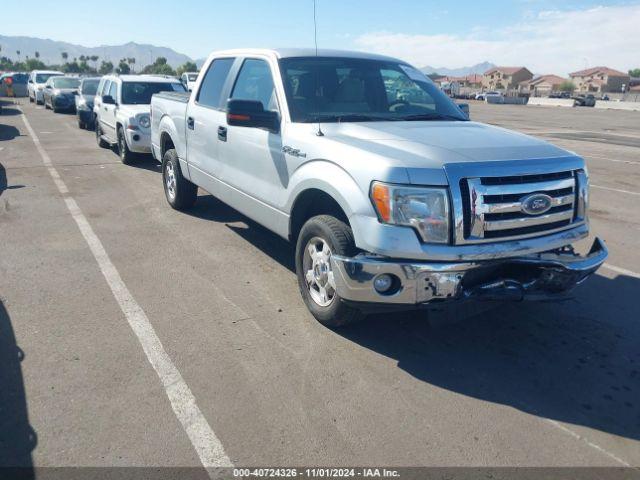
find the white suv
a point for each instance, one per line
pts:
(37, 80)
(122, 108)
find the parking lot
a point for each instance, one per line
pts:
(520, 385)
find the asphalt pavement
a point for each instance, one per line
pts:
(94, 343)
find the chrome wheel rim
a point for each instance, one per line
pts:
(316, 264)
(170, 180)
(123, 146)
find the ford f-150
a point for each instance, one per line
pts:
(392, 196)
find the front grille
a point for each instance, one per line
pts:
(492, 207)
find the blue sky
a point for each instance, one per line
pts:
(439, 33)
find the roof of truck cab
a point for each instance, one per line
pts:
(146, 78)
(304, 52)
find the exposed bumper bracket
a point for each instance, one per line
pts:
(542, 276)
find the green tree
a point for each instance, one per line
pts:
(567, 86)
(159, 67)
(123, 67)
(106, 68)
(635, 72)
(71, 67)
(94, 59)
(186, 67)
(34, 64)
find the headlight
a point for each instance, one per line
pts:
(144, 121)
(423, 208)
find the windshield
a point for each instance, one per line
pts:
(90, 87)
(139, 93)
(20, 78)
(356, 90)
(43, 77)
(66, 82)
(192, 77)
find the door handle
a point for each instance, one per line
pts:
(222, 133)
(191, 123)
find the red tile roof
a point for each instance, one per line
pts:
(550, 79)
(505, 70)
(594, 70)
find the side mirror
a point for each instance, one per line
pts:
(251, 113)
(465, 108)
(48, 87)
(108, 100)
(30, 81)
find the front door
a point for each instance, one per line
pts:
(252, 158)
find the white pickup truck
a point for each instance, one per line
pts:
(391, 195)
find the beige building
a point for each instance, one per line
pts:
(599, 80)
(542, 86)
(505, 78)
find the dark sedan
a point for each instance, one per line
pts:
(60, 92)
(84, 102)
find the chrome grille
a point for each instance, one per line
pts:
(493, 206)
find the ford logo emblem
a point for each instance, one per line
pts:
(536, 204)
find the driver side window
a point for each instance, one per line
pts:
(254, 82)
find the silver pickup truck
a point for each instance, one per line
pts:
(391, 195)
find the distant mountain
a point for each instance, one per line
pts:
(459, 72)
(51, 51)
(200, 62)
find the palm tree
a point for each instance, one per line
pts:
(82, 58)
(131, 61)
(94, 59)
(37, 54)
(18, 52)
(64, 55)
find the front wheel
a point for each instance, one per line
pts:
(180, 192)
(99, 140)
(320, 238)
(126, 155)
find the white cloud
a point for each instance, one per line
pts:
(548, 42)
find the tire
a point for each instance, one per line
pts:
(46, 105)
(82, 125)
(180, 192)
(126, 155)
(320, 232)
(30, 99)
(99, 140)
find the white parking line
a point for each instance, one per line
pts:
(202, 437)
(615, 190)
(615, 160)
(622, 271)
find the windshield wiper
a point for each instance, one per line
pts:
(430, 116)
(355, 117)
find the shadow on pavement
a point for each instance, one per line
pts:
(8, 108)
(8, 132)
(17, 438)
(3, 181)
(575, 361)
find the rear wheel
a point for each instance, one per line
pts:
(126, 155)
(180, 192)
(82, 125)
(320, 238)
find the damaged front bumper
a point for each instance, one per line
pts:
(542, 276)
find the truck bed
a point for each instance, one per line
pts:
(182, 97)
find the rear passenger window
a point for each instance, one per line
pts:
(211, 89)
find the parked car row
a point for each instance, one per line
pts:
(116, 107)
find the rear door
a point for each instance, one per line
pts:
(205, 117)
(109, 113)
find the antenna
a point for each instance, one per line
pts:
(315, 40)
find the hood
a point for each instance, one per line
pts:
(133, 110)
(434, 144)
(65, 91)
